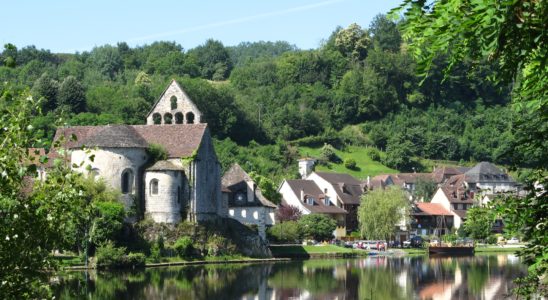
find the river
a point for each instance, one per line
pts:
(414, 277)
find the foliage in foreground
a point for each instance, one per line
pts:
(511, 34)
(33, 221)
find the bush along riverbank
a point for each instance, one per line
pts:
(147, 243)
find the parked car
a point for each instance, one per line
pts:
(416, 241)
(406, 244)
(513, 240)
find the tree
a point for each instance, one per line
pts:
(107, 60)
(288, 232)
(317, 227)
(385, 34)
(34, 219)
(512, 34)
(380, 211)
(72, 95)
(288, 213)
(479, 222)
(353, 42)
(48, 88)
(213, 59)
(425, 189)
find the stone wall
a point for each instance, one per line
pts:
(165, 206)
(184, 106)
(254, 215)
(110, 164)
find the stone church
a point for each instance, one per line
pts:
(185, 186)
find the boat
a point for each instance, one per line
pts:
(450, 250)
(439, 248)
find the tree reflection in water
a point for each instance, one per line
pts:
(479, 277)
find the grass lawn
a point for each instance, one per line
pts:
(494, 249)
(366, 166)
(308, 250)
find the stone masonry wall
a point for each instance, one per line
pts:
(184, 105)
(164, 207)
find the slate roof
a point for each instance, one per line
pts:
(487, 172)
(180, 140)
(413, 177)
(443, 173)
(431, 209)
(455, 190)
(236, 175)
(164, 165)
(348, 188)
(310, 188)
(117, 136)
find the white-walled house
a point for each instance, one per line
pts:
(246, 203)
(342, 190)
(309, 199)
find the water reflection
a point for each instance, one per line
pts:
(479, 277)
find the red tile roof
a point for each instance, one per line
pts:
(180, 140)
(433, 209)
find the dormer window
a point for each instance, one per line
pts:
(326, 201)
(310, 200)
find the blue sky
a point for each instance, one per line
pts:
(69, 26)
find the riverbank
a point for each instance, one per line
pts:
(317, 251)
(178, 262)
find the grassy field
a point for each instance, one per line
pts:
(297, 250)
(366, 166)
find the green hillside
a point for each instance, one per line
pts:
(366, 166)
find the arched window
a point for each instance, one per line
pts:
(168, 118)
(173, 101)
(179, 118)
(190, 118)
(127, 179)
(157, 118)
(154, 187)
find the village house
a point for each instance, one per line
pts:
(309, 199)
(246, 202)
(184, 186)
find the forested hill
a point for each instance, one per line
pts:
(359, 87)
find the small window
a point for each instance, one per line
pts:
(154, 187)
(310, 200)
(326, 201)
(190, 118)
(157, 118)
(127, 178)
(179, 118)
(168, 118)
(173, 101)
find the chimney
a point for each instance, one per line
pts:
(302, 195)
(250, 191)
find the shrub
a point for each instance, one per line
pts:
(285, 232)
(492, 239)
(328, 154)
(108, 256)
(317, 226)
(373, 153)
(156, 152)
(350, 163)
(218, 245)
(136, 260)
(184, 247)
(155, 253)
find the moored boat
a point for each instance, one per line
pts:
(451, 250)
